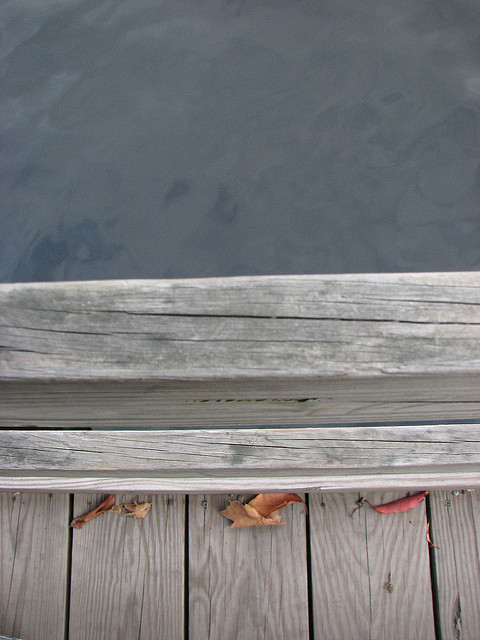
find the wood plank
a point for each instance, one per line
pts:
(233, 351)
(127, 574)
(298, 448)
(370, 572)
(456, 529)
(246, 584)
(33, 565)
(239, 459)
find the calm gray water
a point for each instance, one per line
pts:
(198, 138)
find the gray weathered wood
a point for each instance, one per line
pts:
(242, 459)
(246, 584)
(127, 574)
(33, 565)
(456, 531)
(370, 572)
(255, 483)
(232, 351)
(298, 448)
(339, 400)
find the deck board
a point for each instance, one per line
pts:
(456, 531)
(33, 565)
(246, 584)
(128, 575)
(370, 572)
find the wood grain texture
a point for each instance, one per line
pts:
(370, 572)
(246, 584)
(33, 565)
(456, 530)
(295, 401)
(233, 351)
(127, 574)
(239, 459)
(243, 450)
(263, 482)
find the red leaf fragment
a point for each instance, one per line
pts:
(106, 505)
(429, 539)
(400, 505)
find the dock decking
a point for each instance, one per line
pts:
(182, 573)
(180, 391)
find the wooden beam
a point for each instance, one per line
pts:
(241, 351)
(214, 460)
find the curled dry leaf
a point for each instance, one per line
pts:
(243, 515)
(133, 509)
(267, 503)
(106, 505)
(398, 506)
(429, 538)
(261, 511)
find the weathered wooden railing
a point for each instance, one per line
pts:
(343, 366)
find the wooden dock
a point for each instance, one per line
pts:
(183, 573)
(190, 393)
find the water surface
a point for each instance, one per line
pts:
(162, 139)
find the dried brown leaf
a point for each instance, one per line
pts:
(267, 503)
(106, 505)
(243, 515)
(133, 509)
(261, 511)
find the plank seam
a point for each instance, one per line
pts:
(311, 627)
(68, 585)
(433, 572)
(186, 569)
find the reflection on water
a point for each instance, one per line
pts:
(55, 253)
(180, 139)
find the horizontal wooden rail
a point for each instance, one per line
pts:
(293, 350)
(305, 350)
(225, 460)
